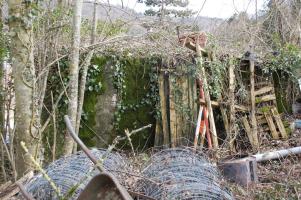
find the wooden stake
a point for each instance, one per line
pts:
(253, 105)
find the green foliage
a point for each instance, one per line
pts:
(165, 8)
(217, 70)
(3, 44)
(137, 88)
(104, 29)
(286, 59)
(95, 86)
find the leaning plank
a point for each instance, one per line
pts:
(271, 125)
(163, 103)
(248, 131)
(263, 90)
(279, 123)
(253, 105)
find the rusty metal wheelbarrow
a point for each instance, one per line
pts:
(105, 187)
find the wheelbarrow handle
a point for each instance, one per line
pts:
(81, 144)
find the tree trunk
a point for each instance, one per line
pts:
(21, 49)
(83, 78)
(73, 74)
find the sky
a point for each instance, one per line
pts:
(212, 8)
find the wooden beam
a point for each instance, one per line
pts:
(163, 102)
(263, 90)
(271, 125)
(231, 130)
(279, 123)
(248, 131)
(269, 97)
(217, 104)
(172, 113)
(253, 105)
(261, 121)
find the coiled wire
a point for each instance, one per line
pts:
(72, 173)
(180, 173)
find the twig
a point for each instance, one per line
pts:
(25, 194)
(38, 166)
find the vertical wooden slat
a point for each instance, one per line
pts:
(164, 109)
(231, 130)
(253, 104)
(172, 112)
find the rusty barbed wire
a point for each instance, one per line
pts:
(72, 173)
(182, 174)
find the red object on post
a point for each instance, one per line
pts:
(205, 114)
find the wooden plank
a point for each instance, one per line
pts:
(181, 104)
(248, 131)
(263, 90)
(253, 105)
(261, 121)
(269, 97)
(231, 130)
(158, 134)
(271, 125)
(172, 112)
(163, 102)
(217, 104)
(198, 126)
(279, 123)
(12, 190)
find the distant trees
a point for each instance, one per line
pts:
(163, 8)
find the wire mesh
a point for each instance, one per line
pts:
(72, 173)
(180, 173)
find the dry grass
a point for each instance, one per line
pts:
(278, 179)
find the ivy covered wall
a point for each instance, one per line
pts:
(125, 97)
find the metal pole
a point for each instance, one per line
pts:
(277, 154)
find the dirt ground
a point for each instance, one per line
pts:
(278, 179)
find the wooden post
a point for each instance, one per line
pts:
(172, 113)
(207, 97)
(253, 104)
(163, 103)
(231, 130)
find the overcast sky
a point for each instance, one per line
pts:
(212, 8)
